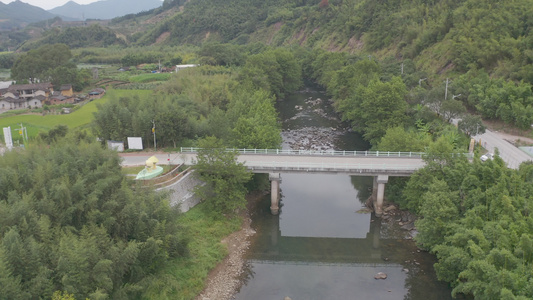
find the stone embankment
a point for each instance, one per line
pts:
(182, 191)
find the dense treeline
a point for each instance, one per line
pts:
(50, 63)
(236, 106)
(439, 35)
(476, 217)
(77, 37)
(495, 98)
(70, 221)
(381, 102)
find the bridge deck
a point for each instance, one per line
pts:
(364, 163)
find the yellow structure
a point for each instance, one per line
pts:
(151, 169)
(151, 164)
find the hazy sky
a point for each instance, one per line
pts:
(49, 4)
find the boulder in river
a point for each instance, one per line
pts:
(380, 275)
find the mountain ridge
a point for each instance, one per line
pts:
(19, 14)
(106, 9)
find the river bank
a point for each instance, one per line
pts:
(224, 280)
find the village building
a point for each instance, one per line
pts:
(66, 90)
(30, 90)
(28, 96)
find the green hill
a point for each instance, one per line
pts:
(441, 36)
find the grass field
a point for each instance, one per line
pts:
(78, 119)
(150, 77)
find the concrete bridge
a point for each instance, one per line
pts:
(378, 164)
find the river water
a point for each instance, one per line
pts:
(323, 245)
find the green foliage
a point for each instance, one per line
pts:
(254, 121)
(476, 218)
(80, 118)
(401, 140)
(71, 222)
(150, 77)
(77, 37)
(50, 63)
(35, 63)
(221, 54)
(224, 190)
(276, 70)
(498, 99)
(54, 134)
(7, 59)
(185, 277)
(132, 116)
(471, 125)
(376, 107)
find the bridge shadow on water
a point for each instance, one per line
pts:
(304, 263)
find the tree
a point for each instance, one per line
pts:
(451, 109)
(276, 71)
(36, 63)
(71, 221)
(254, 120)
(376, 107)
(224, 190)
(471, 125)
(399, 139)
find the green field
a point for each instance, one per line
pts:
(149, 77)
(78, 119)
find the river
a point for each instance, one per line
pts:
(323, 244)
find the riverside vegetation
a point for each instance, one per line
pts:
(71, 223)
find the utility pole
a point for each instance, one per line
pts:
(153, 131)
(24, 133)
(420, 81)
(402, 68)
(446, 92)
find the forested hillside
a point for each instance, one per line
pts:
(77, 37)
(441, 36)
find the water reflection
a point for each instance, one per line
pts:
(312, 202)
(319, 246)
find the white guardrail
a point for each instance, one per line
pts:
(329, 167)
(322, 152)
(314, 152)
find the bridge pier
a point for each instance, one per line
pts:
(378, 193)
(275, 179)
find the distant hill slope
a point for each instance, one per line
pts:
(107, 9)
(18, 14)
(440, 35)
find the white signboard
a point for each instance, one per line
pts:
(7, 137)
(115, 145)
(135, 143)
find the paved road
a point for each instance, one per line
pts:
(508, 152)
(296, 163)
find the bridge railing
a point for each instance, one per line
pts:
(303, 166)
(315, 152)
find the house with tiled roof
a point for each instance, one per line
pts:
(21, 96)
(66, 90)
(30, 90)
